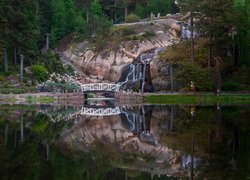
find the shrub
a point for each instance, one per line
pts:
(148, 34)
(17, 90)
(1, 78)
(132, 18)
(230, 86)
(187, 72)
(39, 72)
(52, 62)
(128, 32)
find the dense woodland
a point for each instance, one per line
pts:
(24, 25)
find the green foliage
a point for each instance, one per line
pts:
(40, 124)
(59, 23)
(199, 99)
(14, 90)
(132, 18)
(158, 6)
(62, 87)
(148, 34)
(144, 8)
(187, 72)
(52, 62)
(230, 86)
(128, 32)
(1, 78)
(39, 72)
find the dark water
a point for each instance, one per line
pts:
(108, 142)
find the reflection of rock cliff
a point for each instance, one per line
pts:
(107, 65)
(111, 132)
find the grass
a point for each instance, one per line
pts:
(16, 90)
(198, 99)
(40, 99)
(16, 107)
(9, 99)
(181, 51)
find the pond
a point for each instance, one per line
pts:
(106, 141)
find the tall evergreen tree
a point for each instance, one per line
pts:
(58, 27)
(71, 14)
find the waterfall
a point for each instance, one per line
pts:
(136, 71)
(143, 77)
(130, 76)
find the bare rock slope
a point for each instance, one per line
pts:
(107, 65)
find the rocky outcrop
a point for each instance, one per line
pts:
(160, 75)
(107, 65)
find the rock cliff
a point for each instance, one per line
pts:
(107, 65)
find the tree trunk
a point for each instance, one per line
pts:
(192, 36)
(15, 139)
(210, 34)
(218, 123)
(209, 50)
(21, 129)
(126, 11)
(210, 142)
(171, 78)
(115, 12)
(217, 77)
(37, 8)
(171, 118)
(6, 132)
(21, 68)
(87, 15)
(192, 157)
(47, 151)
(15, 56)
(5, 60)
(47, 42)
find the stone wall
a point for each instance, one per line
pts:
(129, 98)
(44, 98)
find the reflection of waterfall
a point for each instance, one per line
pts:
(136, 122)
(187, 162)
(132, 133)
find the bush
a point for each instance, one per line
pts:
(230, 86)
(39, 72)
(1, 78)
(148, 34)
(187, 72)
(56, 87)
(132, 18)
(17, 90)
(52, 62)
(128, 32)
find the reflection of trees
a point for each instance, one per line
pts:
(218, 135)
(30, 133)
(26, 157)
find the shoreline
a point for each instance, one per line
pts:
(198, 98)
(152, 98)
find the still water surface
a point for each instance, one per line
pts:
(103, 141)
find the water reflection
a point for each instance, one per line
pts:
(138, 142)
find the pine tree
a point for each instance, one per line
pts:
(70, 15)
(58, 27)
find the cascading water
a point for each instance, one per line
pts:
(136, 72)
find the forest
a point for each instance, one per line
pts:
(25, 25)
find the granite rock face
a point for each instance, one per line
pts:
(107, 65)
